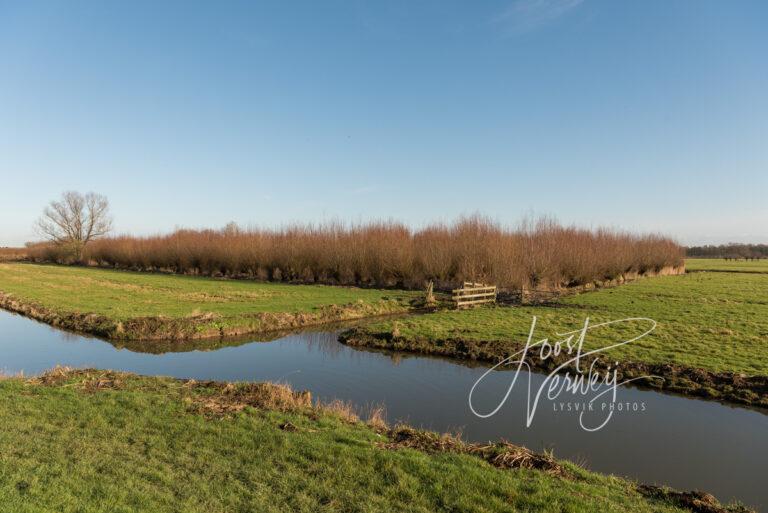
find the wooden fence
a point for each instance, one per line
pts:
(471, 294)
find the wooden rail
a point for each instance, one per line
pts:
(471, 294)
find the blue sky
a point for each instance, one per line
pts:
(647, 115)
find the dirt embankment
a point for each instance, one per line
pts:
(721, 386)
(542, 292)
(197, 326)
(634, 275)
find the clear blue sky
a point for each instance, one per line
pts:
(647, 115)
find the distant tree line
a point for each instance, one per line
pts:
(536, 254)
(730, 251)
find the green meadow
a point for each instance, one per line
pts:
(97, 441)
(122, 296)
(714, 321)
(721, 264)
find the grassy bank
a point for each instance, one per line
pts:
(129, 305)
(716, 322)
(90, 441)
(721, 264)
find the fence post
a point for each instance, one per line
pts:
(430, 294)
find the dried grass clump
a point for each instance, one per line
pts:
(377, 418)
(502, 454)
(53, 377)
(403, 436)
(341, 409)
(223, 399)
(506, 455)
(695, 501)
(88, 380)
(534, 254)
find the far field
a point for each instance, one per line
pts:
(713, 321)
(236, 306)
(721, 264)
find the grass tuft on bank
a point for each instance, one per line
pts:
(90, 441)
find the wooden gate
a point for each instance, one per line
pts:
(471, 294)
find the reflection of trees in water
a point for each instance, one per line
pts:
(328, 344)
(322, 338)
(67, 336)
(211, 344)
(398, 357)
(324, 342)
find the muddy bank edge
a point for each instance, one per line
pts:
(195, 326)
(679, 379)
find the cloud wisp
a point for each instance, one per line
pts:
(527, 15)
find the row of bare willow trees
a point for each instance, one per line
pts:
(390, 254)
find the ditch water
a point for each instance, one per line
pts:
(684, 443)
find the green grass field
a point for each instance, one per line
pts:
(715, 321)
(122, 295)
(720, 264)
(73, 446)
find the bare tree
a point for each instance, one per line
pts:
(75, 220)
